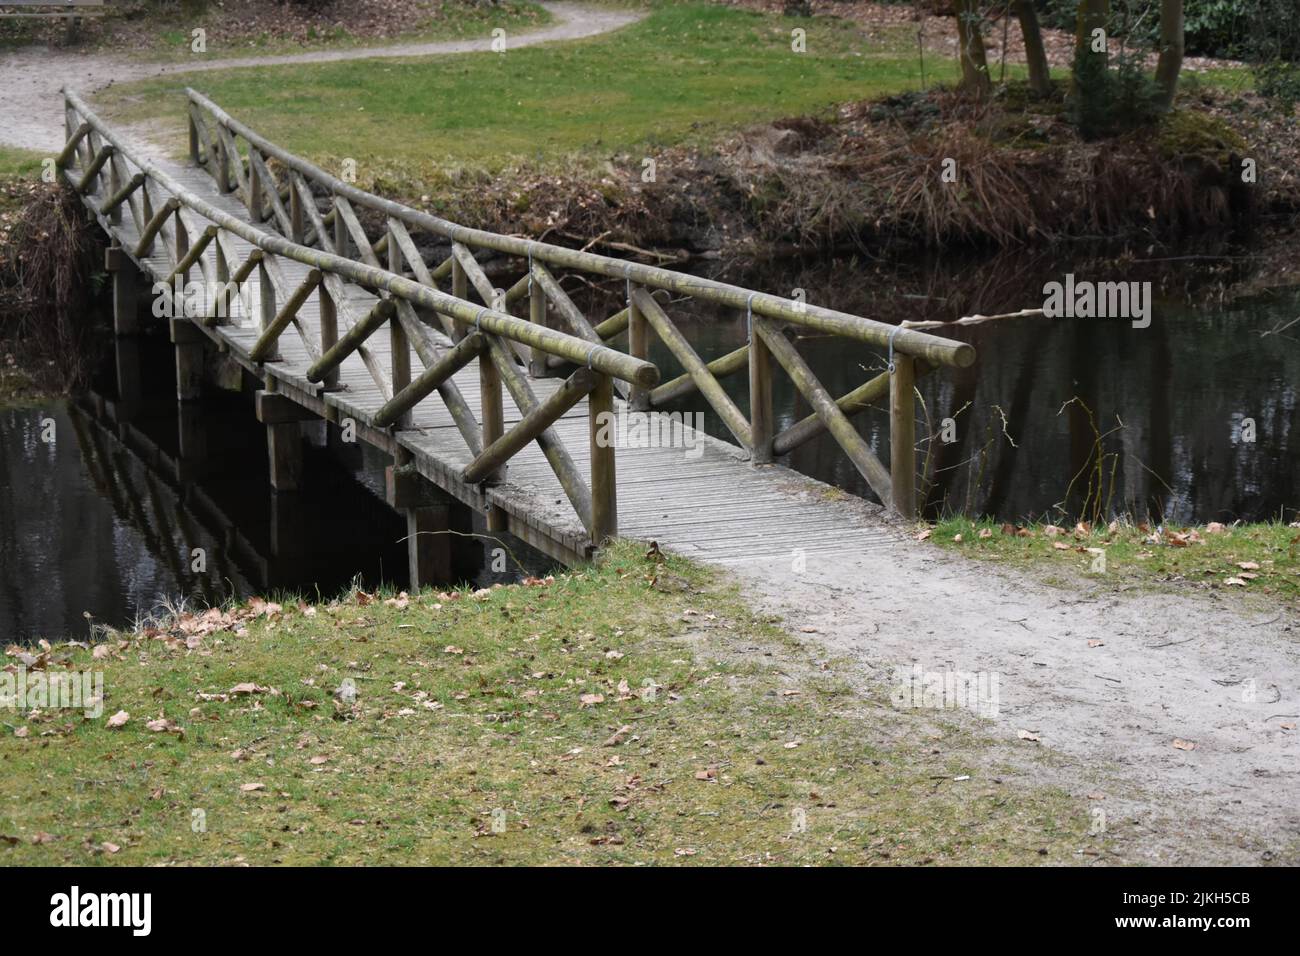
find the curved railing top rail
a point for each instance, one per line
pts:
(598, 357)
(933, 348)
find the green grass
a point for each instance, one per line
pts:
(684, 73)
(1137, 555)
(15, 163)
(474, 704)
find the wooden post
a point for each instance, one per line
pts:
(284, 450)
(537, 367)
(460, 289)
(182, 247)
(902, 435)
(267, 307)
(638, 346)
(604, 491)
(188, 342)
(494, 427)
(194, 139)
(329, 332)
(115, 185)
(428, 521)
(297, 229)
(223, 165)
(400, 345)
(761, 420)
(126, 290)
(254, 189)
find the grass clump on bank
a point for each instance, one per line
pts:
(633, 712)
(1261, 559)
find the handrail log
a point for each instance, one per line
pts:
(598, 357)
(434, 375)
(867, 464)
(933, 348)
(672, 337)
(352, 339)
(265, 345)
(720, 367)
(851, 403)
(575, 387)
(123, 194)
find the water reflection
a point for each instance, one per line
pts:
(1168, 401)
(122, 498)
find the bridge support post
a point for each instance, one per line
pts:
(126, 290)
(428, 513)
(902, 435)
(188, 342)
(283, 419)
(284, 452)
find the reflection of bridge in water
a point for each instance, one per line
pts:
(334, 321)
(179, 474)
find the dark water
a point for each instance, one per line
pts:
(101, 513)
(1168, 401)
(104, 517)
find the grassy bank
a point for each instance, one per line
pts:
(1261, 559)
(630, 713)
(680, 75)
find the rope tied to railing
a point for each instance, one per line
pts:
(478, 319)
(749, 315)
(898, 328)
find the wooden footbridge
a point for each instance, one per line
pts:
(512, 415)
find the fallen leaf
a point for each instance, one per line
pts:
(1026, 735)
(119, 719)
(250, 787)
(1184, 744)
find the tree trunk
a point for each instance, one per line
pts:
(1040, 80)
(1090, 78)
(1171, 50)
(974, 65)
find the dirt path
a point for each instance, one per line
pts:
(1106, 679)
(31, 116)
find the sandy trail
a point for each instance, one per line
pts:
(31, 114)
(1193, 668)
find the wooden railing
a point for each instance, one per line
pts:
(291, 206)
(193, 234)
